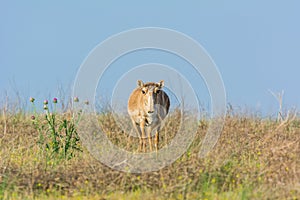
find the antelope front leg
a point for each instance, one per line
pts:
(138, 131)
(149, 130)
(142, 126)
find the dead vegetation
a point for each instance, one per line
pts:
(254, 158)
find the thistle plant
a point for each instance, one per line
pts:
(58, 137)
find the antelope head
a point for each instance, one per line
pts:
(149, 92)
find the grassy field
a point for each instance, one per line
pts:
(255, 158)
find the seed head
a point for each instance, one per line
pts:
(31, 99)
(76, 99)
(45, 107)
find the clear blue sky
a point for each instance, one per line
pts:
(255, 44)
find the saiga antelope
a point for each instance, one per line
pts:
(148, 105)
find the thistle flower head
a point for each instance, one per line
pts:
(31, 99)
(54, 100)
(45, 102)
(32, 117)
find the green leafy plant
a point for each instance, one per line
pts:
(58, 137)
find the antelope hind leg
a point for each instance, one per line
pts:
(156, 140)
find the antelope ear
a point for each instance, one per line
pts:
(161, 83)
(140, 83)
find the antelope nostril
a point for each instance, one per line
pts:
(151, 111)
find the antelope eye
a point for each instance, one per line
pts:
(143, 91)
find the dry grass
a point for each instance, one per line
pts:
(254, 159)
